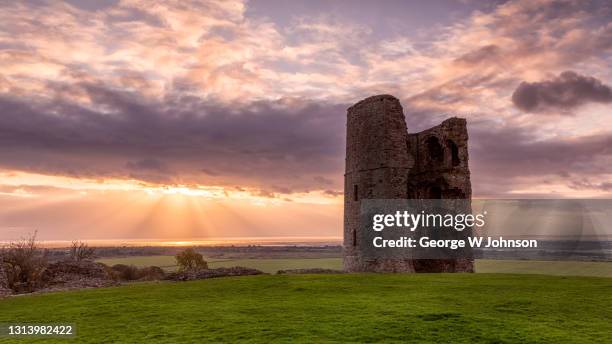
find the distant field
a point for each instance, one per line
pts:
(423, 308)
(561, 268)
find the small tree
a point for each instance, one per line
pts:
(24, 265)
(80, 251)
(189, 259)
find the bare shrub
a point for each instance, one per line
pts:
(80, 251)
(151, 273)
(126, 272)
(24, 265)
(132, 273)
(4, 289)
(189, 259)
(111, 273)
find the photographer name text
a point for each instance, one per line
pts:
(453, 244)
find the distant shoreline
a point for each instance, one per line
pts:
(237, 241)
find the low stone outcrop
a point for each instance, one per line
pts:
(76, 275)
(309, 271)
(191, 275)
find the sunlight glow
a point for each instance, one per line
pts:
(22, 184)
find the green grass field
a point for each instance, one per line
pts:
(427, 308)
(559, 268)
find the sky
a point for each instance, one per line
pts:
(200, 119)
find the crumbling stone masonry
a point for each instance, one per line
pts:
(384, 161)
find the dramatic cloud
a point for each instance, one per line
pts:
(291, 144)
(248, 98)
(567, 91)
(531, 166)
(507, 152)
(240, 94)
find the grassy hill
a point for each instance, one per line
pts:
(459, 308)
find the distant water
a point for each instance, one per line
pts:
(262, 241)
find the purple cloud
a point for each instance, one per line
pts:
(567, 91)
(265, 144)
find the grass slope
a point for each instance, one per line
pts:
(440, 308)
(561, 268)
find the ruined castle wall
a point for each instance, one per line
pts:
(441, 162)
(441, 172)
(383, 161)
(377, 166)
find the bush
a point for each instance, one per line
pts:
(24, 265)
(151, 273)
(80, 251)
(132, 273)
(189, 259)
(3, 282)
(125, 272)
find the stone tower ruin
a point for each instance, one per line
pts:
(384, 161)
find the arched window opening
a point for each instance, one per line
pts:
(454, 152)
(436, 153)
